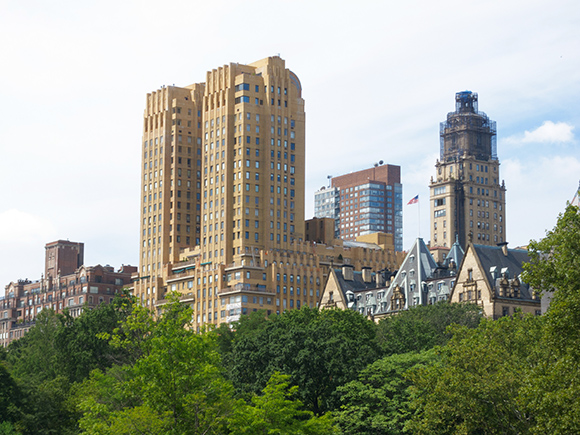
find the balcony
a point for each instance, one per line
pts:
(243, 287)
(190, 264)
(180, 274)
(250, 263)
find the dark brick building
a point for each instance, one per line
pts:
(65, 284)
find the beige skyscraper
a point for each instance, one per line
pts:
(222, 215)
(223, 170)
(171, 182)
(467, 198)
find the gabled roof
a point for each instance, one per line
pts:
(356, 294)
(455, 253)
(357, 284)
(417, 266)
(493, 257)
(418, 259)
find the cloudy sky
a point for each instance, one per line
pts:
(378, 77)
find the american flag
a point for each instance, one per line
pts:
(414, 200)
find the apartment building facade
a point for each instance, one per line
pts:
(223, 195)
(365, 202)
(65, 284)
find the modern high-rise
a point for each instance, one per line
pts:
(327, 205)
(364, 202)
(222, 212)
(467, 198)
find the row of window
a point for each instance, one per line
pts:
(246, 87)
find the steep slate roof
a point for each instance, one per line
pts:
(418, 268)
(455, 254)
(357, 284)
(493, 256)
(368, 298)
(421, 264)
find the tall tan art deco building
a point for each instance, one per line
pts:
(467, 198)
(222, 214)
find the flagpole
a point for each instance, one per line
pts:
(419, 216)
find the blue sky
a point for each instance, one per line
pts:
(378, 78)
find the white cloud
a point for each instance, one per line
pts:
(548, 132)
(537, 191)
(19, 226)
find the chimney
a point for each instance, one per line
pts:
(367, 274)
(347, 273)
(379, 279)
(504, 248)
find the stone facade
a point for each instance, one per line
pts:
(467, 196)
(490, 276)
(419, 280)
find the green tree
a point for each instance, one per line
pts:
(478, 386)
(555, 266)
(319, 349)
(277, 412)
(424, 326)
(80, 346)
(553, 392)
(110, 405)
(378, 402)
(33, 358)
(7, 428)
(176, 386)
(33, 362)
(9, 397)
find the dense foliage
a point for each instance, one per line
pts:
(424, 327)
(438, 369)
(319, 350)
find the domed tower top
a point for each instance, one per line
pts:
(466, 101)
(467, 131)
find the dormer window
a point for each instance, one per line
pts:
(505, 272)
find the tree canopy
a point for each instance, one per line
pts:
(379, 401)
(438, 369)
(319, 349)
(555, 268)
(424, 326)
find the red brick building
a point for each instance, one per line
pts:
(370, 201)
(66, 283)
